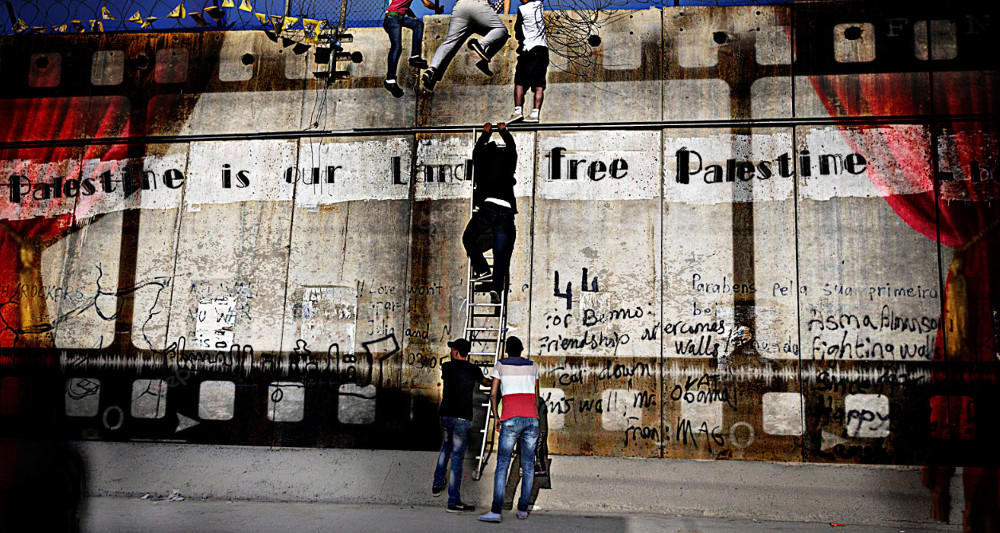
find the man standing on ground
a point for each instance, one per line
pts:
(467, 15)
(459, 378)
(516, 379)
(398, 16)
(542, 479)
(493, 196)
(532, 58)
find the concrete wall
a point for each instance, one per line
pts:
(722, 294)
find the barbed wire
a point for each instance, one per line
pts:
(573, 31)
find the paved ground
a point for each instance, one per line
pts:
(112, 514)
(853, 494)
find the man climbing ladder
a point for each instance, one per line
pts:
(494, 165)
(491, 220)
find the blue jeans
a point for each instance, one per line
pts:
(456, 438)
(524, 429)
(501, 221)
(393, 24)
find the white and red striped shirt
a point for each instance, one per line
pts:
(517, 376)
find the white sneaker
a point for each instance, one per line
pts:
(514, 117)
(523, 515)
(490, 517)
(531, 118)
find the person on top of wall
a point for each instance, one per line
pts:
(493, 197)
(515, 378)
(532, 58)
(397, 16)
(459, 378)
(481, 14)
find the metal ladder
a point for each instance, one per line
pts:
(486, 331)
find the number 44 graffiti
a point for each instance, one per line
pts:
(568, 294)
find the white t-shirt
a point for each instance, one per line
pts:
(533, 24)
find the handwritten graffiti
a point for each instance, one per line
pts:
(568, 293)
(105, 304)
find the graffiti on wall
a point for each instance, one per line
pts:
(779, 249)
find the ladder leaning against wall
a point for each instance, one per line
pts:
(486, 331)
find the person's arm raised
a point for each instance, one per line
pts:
(487, 132)
(508, 139)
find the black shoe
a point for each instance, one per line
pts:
(429, 80)
(484, 67)
(436, 491)
(483, 286)
(481, 276)
(478, 48)
(418, 62)
(393, 88)
(461, 507)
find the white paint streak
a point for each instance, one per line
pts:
(329, 315)
(215, 323)
(620, 410)
(783, 413)
(599, 166)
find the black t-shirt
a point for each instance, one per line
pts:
(460, 379)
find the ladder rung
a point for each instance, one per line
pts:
(482, 329)
(482, 353)
(485, 305)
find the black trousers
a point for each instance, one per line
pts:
(500, 221)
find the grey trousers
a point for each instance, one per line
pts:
(467, 16)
